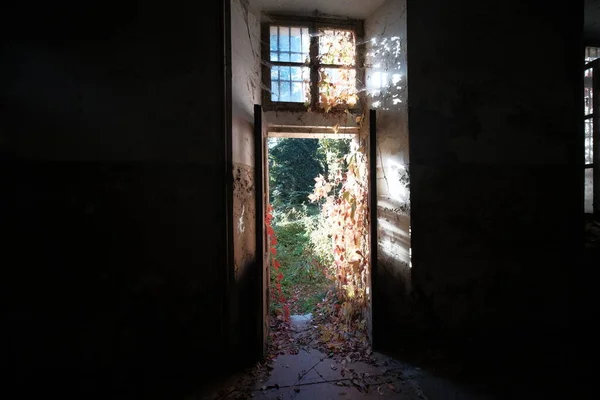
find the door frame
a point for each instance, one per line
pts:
(261, 179)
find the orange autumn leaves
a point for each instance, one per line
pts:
(347, 214)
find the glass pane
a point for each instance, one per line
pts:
(289, 84)
(297, 57)
(284, 73)
(274, 57)
(587, 92)
(305, 41)
(591, 53)
(275, 91)
(285, 91)
(589, 190)
(297, 92)
(337, 47)
(337, 86)
(284, 38)
(274, 36)
(296, 40)
(284, 56)
(297, 74)
(589, 141)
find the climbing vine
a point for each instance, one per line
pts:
(276, 297)
(346, 213)
(336, 86)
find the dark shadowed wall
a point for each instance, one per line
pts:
(496, 155)
(112, 140)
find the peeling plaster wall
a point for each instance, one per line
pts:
(112, 145)
(496, 169)
(386, 92)
(245, 51)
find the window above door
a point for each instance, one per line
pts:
(311, 64)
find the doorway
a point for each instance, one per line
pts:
(316, 239)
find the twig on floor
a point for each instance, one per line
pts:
(309, 383)
(311, 368)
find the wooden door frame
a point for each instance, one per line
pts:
(261, 198)
(262, 262)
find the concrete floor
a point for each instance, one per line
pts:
(311, 374)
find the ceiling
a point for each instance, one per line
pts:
(344, 8)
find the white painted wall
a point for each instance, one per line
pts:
(246, 79)
(386, 80)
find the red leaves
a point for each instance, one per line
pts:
(286, 312)
(272, 240)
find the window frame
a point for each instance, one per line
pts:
(313, 24)
(595, 117)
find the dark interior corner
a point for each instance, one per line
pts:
(120, 278)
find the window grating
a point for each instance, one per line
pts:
(289, 84)
(314, 64)
(289, 44)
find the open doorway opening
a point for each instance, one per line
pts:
(318, 242)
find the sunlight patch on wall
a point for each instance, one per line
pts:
(386, 81)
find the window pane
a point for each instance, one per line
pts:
(296, 40)
(589, 141)
(297, 57)
(299, 74)
(589, 190)
(305, 41)
(284, 91)
(275, 91)
(298, 92)
(284, 73)
(274, 57)
(289, 84)
(337, 47)
(274, 35)
(337, 86)
(587, 92)
(284, 38)
(284, 56)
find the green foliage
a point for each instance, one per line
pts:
(304, 242)
(293, 165)
(294, 249)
